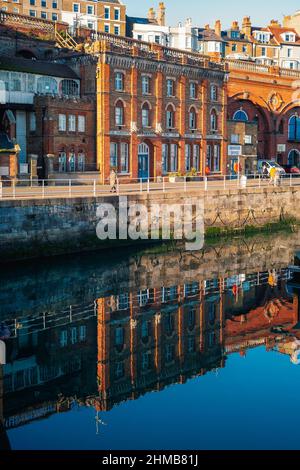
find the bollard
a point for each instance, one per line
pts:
(291, 179)
(164, 186)
(70, 188)
(1, 190)
(185, 184)
(148, 185)
(43, 189)
(14, 189)
(95, 188)
(224, 181)
(118, 186)
(141, 185)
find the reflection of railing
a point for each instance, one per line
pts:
(76, 313)
(47, 321)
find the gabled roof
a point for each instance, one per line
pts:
(38, 67)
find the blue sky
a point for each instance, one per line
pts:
(201, 12)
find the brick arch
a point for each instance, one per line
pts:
(26, 53)
(255, 112)
(285, 114)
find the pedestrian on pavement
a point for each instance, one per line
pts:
(272, 175)
(265, 172)
(113, 180)
(277, 178)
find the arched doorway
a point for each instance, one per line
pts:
(294, 158)
(143, 161)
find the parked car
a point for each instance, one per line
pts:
(291, 169)
(269, 164)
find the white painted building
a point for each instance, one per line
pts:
(183, 36)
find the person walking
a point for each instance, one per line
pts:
(265, 172)
(277, 178)
(272, 175)
(113, 180)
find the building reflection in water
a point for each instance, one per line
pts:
(123, 346)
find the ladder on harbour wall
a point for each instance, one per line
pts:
(65, 40)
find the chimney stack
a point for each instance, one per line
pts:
(207, 27)
(235, 26)
(247, 26)
(218, 27)
(161, 14)
(151, 15)
(275, 24)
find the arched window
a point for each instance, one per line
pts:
(47, 86)
(145, 115)
(213, 121)
(69, 88)
(188, 155)
(81, 161)
(119, 114)
(294, 128)
(193, 119)
(240, 115)
(294, 158)
(62, 161)
(72, 162)
(170, 117)
(214, 93)
(119, 81)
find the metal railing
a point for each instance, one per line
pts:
(70, 188)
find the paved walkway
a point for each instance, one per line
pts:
(72, 189)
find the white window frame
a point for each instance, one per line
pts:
(106, 8)
(119, 14)
(81, 123)
(72, 123)
(78, 5)
(62, 122)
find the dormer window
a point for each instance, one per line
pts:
(262, 37)
(235, 34)
(289, 37)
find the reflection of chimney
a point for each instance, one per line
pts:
(235, 25)
(218, 27)
(151, 15)
(161, 14)
(206, 26)
(247, 26)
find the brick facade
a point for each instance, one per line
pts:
(60, 134)
(195, 86)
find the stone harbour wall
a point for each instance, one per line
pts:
(36, 228)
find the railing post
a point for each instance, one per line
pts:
(164, 185)
(70, 188)
(118, 186)
(291, 179)
(185, 184)
(14, 189)
(259, 181)
(94, 188)
(43, 189)
(224, 181)
(141, 185)
(148, 185)
(205, 183)
(1, 190)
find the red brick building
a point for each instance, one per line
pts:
(159, 110)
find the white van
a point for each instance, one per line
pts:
(269, 164)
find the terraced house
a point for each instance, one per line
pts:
(98, 15)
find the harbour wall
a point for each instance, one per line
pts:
(38, 228)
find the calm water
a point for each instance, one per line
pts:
(153, 350)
